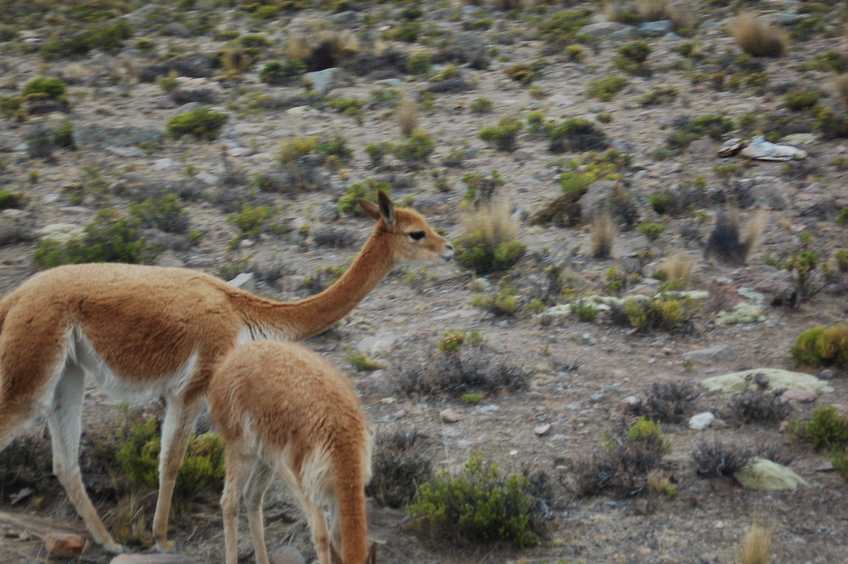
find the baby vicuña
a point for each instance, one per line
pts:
(283, 409)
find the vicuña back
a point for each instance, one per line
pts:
(282, 408)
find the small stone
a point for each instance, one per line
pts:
(800, 396)
(588, 339)
(449, 415)
(596, 398)
(701, 421)
(632, 401)
(286, 555)
(542, 430)
(162, 164)
(827, 373)
(721, 352)
(761, 380)
(64, 545)
(208, 178)
(667, 351)
(246, 243)
(719, 525)
(826, 466)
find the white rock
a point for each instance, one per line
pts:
(449, 415)
(61, 232)
(542, 430)
(162, 164)
(245, 281)
(701, 421)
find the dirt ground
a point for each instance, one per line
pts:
(580, 372)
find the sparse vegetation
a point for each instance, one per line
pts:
(201, 123)
(825, 429)
(668, 402)
(757, 37)
(488, 243)
(399, 467)
(822, 346)
(606, 88)
(719, 460)
(504, 136)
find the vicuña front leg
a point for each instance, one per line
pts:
(254, 493)
(65, 422)
(176, 431)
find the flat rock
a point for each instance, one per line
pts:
(767, 476)
(542, 430)
(603, 29)
(701, 421)
(800, 396)
(245, 281)
(449, 415)
(286, 555)
(741, 313)
(721, 352)
(61, 232)
(99, 137)
(64, 545)
(377, 344)
(322, 81)
(153, 559)
(738, 382)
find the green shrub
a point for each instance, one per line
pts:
(44, 88)
(9, 199)
(826, 428)
(839, 460)
(168, 83)
(477, 506)
(201, 123)
(362, 190)
(563, 27)
(419, 63)
(167, 213)
(822, 346)
(481, 106)
(520, 72)
(575, 134)
(713, 125)
(659, 96)
(362, 363)
(276, 73)
(606, 88)
(584, 311)
(202, 467)
(108, 38)
(293, 149)
(406, 31)
(335, 146)
(504, 136)
(451, 342)
(251, 220)
(109, 238)
(503, 302)
(660, 202)
(654, 313)
(797, 101)
(841, 257)
(415, 149)
(483, 255)
(632, 56)
(652, 231)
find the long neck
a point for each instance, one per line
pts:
(302, 319)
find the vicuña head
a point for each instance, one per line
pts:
(283, 409)
(159, 331)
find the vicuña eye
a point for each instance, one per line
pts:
(417, 235)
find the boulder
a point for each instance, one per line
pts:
(738, 382)
(767, 476)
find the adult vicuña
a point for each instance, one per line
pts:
(282, 408)
(159, 331)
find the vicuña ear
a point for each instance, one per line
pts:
(372, 554)
(370, 208)
(387, 209)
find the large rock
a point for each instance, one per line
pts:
(738, 382)
(767, 476)
(99, 137)
(775, 284)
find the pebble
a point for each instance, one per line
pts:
(596, 398)
(542, 430)
(162, 164)
(64, 545)
(800, 396)
(827, 373)
(449, 415)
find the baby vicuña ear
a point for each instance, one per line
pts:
(387, 209)
(370, 208)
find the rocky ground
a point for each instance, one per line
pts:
(581, 375)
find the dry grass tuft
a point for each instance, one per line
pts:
(298, 48)
(841, 83)
(678, 271)
(604, 232)
(758, 37)
(756, 545)
(324, 50)
(235, 60)
(407, 116)
(493, 221)
(724, 243)
(654, 10)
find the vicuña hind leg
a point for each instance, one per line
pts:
(176, 430)
(254, 492)
(64, 420)
(320, 533)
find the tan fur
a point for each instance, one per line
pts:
(160, 331)
(282, 408)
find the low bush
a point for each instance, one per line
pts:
(488, 243)
(463, 372)
(201, 123)
(606, 88)
(668, 402)
(804, 100)
(399, 468)
(631, 57)
(480, 505)
(366, 190)
(521, 72)
(575, 135)
(108, 238)
(757, 37)
(716, 459)
(167, 213)
(276, 73)
(655, 313)
(251, 220)
(757, 407)
(629, 455)
(826, 428)
(414, 149)
(652, 231)
(822, 346)
(504, 136)
(503, 302)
